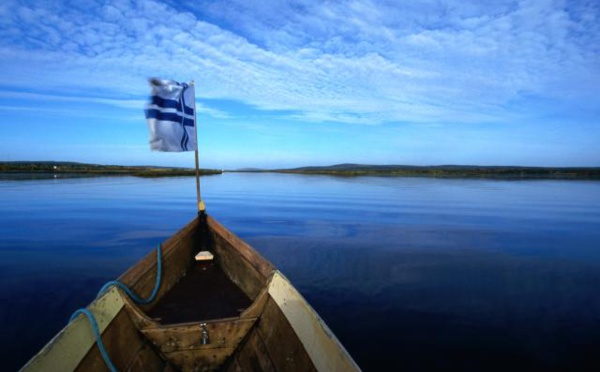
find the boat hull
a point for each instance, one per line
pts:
(277, 331)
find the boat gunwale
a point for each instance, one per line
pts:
(249, 253)
(294, 308)
(76, 337)
(135, 274)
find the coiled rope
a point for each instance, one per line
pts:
(137, 299)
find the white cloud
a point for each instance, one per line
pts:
(24, 97)
(362, 62)
(133, 104)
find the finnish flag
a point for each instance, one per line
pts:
(170, 116)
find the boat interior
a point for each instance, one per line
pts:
(236, 312)
(206, 315)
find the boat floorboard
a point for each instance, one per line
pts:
(204, 293)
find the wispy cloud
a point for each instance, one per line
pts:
(364, 62)
(134, 104)
(26, 96)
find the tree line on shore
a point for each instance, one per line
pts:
(96, 169)
(341, 170)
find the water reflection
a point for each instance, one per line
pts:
(434, 308)
(422, 274)
(409, 273)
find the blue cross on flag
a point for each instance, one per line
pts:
(170, 116)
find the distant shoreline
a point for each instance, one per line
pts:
(451, 171)
(56, 169)
(82, 169)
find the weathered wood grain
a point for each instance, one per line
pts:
(323, 348)
(263, 266)
(177, 256)
(124, 345)
(200, 360)
(279, 331)
(239, 270)
(281, 342)
(252, 355)
(182, 344)
(222, 333)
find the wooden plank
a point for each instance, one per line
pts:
(240, 271)
(253, 355)
(204, 293)
(258, 305)
(144, 357)
(263, 266)
(200, 360)
(138, 317)
(222, 333)
(174, 267)
(125, 347)
(178, 254)
(324, 349)
(233, 366)
(281, 342)
(140, 269)
(66, 350)
(182, 344)
(241, 263)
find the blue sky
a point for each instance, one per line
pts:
(283, 84)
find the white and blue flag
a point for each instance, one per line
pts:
(170, 116)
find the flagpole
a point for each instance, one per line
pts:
(201, 207)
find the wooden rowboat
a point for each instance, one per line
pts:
(234, 313)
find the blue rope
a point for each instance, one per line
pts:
(96, 331)
(133, 296)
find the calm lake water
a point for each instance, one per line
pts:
(413, 273)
